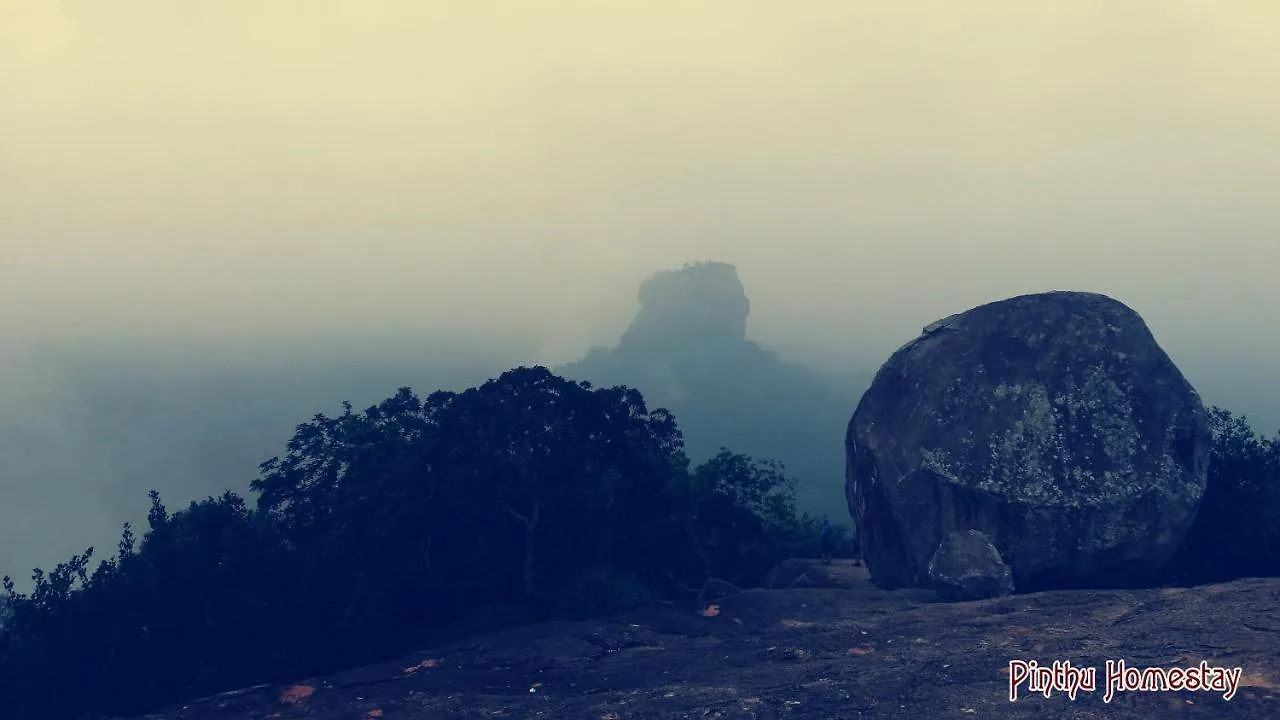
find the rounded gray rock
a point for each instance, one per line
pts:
(967, 566)
(1053, 423)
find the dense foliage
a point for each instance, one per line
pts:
(1237, 530)
(413, 522)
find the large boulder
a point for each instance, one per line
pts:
(967, 566)
(1053, 423)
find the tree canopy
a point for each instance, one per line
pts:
(413, 522)
(1236, 532)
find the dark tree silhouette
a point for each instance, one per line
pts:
(1236, 532)
(379, 532)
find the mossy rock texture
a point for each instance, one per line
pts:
(1053, 423)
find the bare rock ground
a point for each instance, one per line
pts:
(848, 652)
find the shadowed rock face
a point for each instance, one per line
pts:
(1053, 423)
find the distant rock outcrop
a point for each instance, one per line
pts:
(687, 350)
(966, 566)
(1054, 423)
(700, 304)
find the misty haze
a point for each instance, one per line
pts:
(218, 220)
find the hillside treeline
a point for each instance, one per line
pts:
(414, 522)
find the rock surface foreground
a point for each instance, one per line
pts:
(856, 652)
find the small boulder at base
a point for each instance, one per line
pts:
(967, 567)
(1053, 423)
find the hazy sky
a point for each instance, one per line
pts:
(235, 165)
(231, 169)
